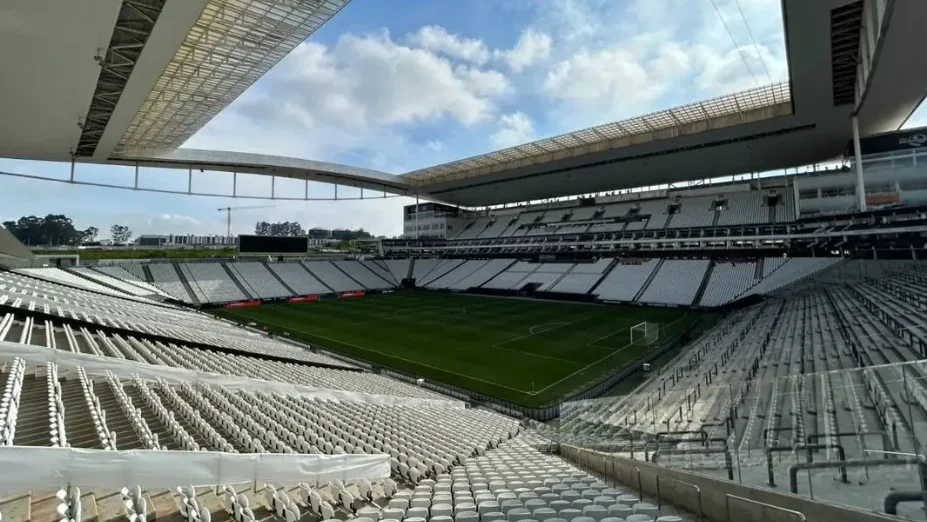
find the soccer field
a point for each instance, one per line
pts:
(526, 351)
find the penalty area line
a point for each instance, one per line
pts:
(532, 334)
(392, 356)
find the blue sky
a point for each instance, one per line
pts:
(399, 86)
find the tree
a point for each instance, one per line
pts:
(262, 228)
(52, 230)
(343, 234)
(90, 235)
(120, 234)
(286, 228)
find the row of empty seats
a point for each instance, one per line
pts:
(124, 274)
(652, 281)
(296, 277)
(514, 277)
(828, 363)
(677, 282)
(258, 279)
(727, 281)
(165, 277)
(211, 283)
(678, 212)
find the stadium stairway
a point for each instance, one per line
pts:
(78, 422)
(246, 290)
(147, 271)
(562, 275)
(315, 277)
(705, 278)
(603, 275)
(32, 426)
(649, 280)
(183, 280)
(279, 280)
(338, 268)
(92, 281)
(157, 427)
(116, 420)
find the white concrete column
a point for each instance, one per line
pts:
(860, 184)
(416, 210)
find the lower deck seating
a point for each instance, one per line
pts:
(212, 283)
(791, 271)
(626, 280)
(124, 274)
(582, 277)
(399, 268)
(728, 280)
(257, 278)
(514, 277)
(676, 282)
(483, 273)
(831, 363)
(298, 278)
(363, 275)
(165, 277)
(333, 278)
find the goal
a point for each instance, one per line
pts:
(645, 333)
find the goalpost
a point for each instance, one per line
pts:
(645, 333)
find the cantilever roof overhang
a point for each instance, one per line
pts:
(94, 78)
(199, 55)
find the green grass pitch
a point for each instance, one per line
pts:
(527, 351)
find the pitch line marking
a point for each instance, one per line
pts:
(532, 329)
(584, 368)
(400, 358)
(425, 310)
(532, 354)
(606, 336)
(561, 325)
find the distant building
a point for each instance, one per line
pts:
(153, 240)
(434, 221)
(319, 233)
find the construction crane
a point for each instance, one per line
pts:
(228, 216)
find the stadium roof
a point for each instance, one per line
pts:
(230, 46)
(127, 81)
(766, 101)
(95, 78)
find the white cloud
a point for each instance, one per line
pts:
(357, 97)
(601, 76)
(481, 82)
(614, 60)
(532, 47)
(725, 72)
(436, 38)
(514, 129)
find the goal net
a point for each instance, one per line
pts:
(645, 333)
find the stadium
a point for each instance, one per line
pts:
(624, 323)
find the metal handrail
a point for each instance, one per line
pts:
(727, 507)
(698, 494)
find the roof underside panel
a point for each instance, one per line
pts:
(695, 117)
(231, 45)
(130, 33)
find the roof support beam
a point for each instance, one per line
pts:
(133, 25)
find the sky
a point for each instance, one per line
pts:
(397, 86)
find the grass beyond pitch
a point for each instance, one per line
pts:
(527, 351)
